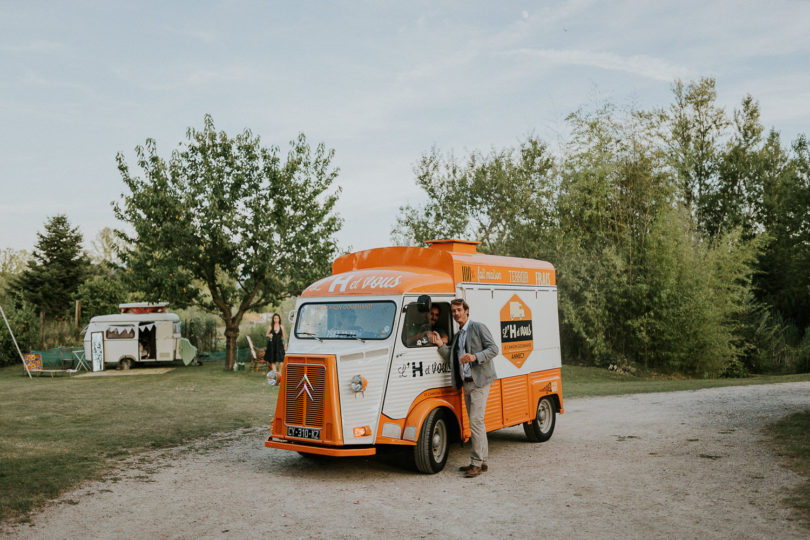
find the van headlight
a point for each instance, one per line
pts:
(273, 378)
(359, 383)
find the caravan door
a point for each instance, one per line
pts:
(165, 342)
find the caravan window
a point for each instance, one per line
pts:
(119, 332)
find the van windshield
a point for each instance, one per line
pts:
(345, 320)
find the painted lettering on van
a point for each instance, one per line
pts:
(342, 281)
(542, 278)
(420, 369)
(347, 281)
(486, 274)
(381, 282)
(518, 277)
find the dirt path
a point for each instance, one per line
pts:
(675, 465)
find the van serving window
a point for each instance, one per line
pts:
(418, 324)
(345, 320)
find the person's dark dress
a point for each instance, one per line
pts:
(275, 347)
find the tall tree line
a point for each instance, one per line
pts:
(680, 235)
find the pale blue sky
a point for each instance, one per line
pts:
(380, 82)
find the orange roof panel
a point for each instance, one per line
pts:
(439, 268)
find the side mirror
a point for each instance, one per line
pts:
(291, 315)
(423, 303)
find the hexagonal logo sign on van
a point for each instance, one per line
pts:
(517, 337)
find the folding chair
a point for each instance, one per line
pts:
(81, 362)
(256, 355)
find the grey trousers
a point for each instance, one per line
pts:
(476, 400)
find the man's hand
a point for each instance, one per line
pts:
(435, 339)
(467, 358)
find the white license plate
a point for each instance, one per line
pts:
(304, 432)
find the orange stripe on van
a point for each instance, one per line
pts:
(511, 401)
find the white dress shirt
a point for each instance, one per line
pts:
(462, 345)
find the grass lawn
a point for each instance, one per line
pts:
(56, 433)
(588, 381)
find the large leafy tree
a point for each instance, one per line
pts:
(489, 197)
(227, 224)
(101, 293)
(105, 286)
(105, 250)
(57, 268)
(695, 129)
(784, 280)
(637, 282)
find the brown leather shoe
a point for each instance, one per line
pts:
(473, 471)
(467, 468)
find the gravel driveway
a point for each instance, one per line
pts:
(675, 465)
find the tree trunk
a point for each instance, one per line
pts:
(231, 333)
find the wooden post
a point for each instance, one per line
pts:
(78, 312)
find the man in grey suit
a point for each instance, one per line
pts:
(472, 350)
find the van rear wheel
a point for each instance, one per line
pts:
(541, 428)
(125, 363)
(430, 453)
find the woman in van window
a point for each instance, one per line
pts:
(276, 343)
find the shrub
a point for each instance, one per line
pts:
(24, 323)
(201, 330)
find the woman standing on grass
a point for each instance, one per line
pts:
(276, 343)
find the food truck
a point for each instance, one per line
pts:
(357, 374)
(141, 333)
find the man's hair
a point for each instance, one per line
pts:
(460, 302)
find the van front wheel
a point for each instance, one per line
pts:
(541, 428)
(430, 453)
(125, 363)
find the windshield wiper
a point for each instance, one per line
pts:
(350, 335)
(311, 334)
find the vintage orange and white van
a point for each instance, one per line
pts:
(359, 373)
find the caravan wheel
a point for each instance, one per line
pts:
(125, 363)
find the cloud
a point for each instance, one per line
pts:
(34, 79)
(44, 47)
(199, 35)
(188, 77)
(641, 65)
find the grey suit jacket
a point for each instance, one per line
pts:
(479, 343)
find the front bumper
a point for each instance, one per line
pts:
(321, 450)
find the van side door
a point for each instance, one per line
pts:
(417, 365)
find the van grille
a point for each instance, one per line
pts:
(304, 394)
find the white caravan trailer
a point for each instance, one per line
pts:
(142, 332)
